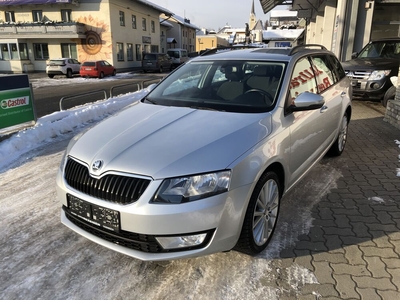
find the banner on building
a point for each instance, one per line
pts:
(16, 102)
(26, 2)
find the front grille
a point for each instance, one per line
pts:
(358, 75)
(132, 240)
(113, 188)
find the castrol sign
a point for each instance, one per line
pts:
(16, 103)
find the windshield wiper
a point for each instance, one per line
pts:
(205, 108)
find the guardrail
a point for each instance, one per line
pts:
(81, 95)
(146, 83)
(122, 85)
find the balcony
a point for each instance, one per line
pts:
(42, 30)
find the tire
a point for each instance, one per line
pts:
(69, 73)
(161, 69)
(101, 75)
(338, 146)
(389, 95)
(114, 73)
(50, 75)
(261, 215)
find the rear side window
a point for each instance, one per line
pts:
(57, 62)
(323, 71)
(337, 67)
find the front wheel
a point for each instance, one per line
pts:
(389, 95)
(101, 75)
(261, 215)
(338, 146)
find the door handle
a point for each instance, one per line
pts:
(343, 94)
(323, 109)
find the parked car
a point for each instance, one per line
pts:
(62, 66)
(159, 62)
(97, 68)
(179, 56)
(201, 163)
(371, 69)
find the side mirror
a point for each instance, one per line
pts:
(354, 54)
(307, 101)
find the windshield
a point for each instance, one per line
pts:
(390, 49)
(235, 86)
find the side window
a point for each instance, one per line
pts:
(323, 71)
(337, 67)
(302, 80)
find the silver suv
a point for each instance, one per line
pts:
(201, 164)
(62, 66)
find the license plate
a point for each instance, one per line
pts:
(149, 63)
(97, 215)
(88, 69)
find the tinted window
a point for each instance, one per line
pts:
(150, 56)
(89, 63)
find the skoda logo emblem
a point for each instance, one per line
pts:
(97, 165)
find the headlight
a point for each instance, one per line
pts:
(191, 188)
(377, 75)
(70, 145)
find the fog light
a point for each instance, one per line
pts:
(375, 85)
(172, 242)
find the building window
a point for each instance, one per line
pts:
(154, 48)
(120, 51)
(37, 15)
(23, 51)
(138, 52)
(129, 52)
(66, 15)
(10, 16)
(41, 51)
(153, 26)
(133, 21)
(69, 50)
(4, 52)
(121, 18)
(144, 27)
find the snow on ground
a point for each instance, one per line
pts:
(41, 258)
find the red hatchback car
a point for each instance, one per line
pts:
(97, 68)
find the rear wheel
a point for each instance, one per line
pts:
(261, 215)
(69, 73)
(50, 75)
(389, 95)
(338, 146)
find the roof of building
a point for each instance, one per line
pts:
(282, 34)
(156, 7)
(184, 21)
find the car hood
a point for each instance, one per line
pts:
(371, 64)
(160, 141)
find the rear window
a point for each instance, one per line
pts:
(89, 63)
(57, 62)
(150, 56)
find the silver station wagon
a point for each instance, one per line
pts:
(202, 162)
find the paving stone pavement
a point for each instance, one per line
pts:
(353, 247)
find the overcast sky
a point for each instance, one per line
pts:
(214, 14)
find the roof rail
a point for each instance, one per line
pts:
(299, 47)
(227, 48)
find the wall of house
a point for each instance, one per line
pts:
(102, 30)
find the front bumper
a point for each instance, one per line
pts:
(220, 216)
(369, 89)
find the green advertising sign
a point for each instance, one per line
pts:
(16, 101)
